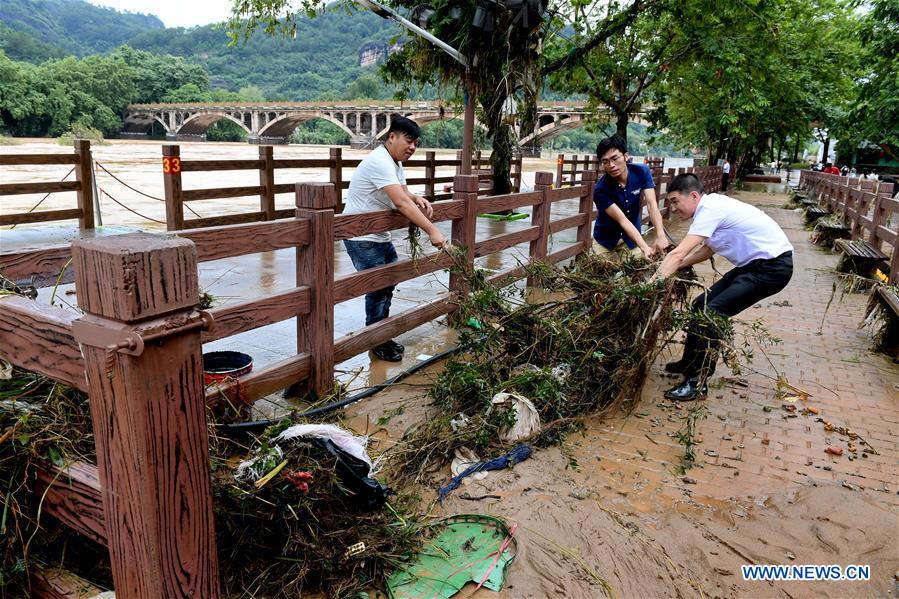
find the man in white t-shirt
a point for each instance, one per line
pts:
(378, 183)
(751, 240)
(725, 175)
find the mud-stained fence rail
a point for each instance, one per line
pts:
(137, 352)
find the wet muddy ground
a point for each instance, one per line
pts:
(608, 514)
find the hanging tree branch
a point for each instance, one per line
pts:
(610, 27)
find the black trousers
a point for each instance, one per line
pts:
(737, 290)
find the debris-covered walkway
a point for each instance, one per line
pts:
(611, 513)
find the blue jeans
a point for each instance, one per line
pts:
(369, 254)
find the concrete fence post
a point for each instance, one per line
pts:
(465, 188)
(540, 217)
(315, 268)
(585, 230)
(84, 174)
(171, 176)
(140, 339)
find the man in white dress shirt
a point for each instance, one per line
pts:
(751, 240)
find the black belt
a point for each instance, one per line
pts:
(757, 261)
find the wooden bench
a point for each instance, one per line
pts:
(859, 256)
(807, 201)
(813, 213)
(889, 299)
(887, 339)
(828, 230)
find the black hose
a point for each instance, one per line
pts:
(244, 427)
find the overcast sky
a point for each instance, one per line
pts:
(175, 13)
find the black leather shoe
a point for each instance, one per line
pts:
(675, 367)
(397, 347)
(687, 391)
(387, 353)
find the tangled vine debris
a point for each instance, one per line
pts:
(580, 347)
(586, 348)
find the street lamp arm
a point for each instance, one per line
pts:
(387, 13)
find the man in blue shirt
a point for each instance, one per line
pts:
(619, 196)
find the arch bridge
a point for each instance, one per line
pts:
(365, 123)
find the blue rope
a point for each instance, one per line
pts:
(518, 454)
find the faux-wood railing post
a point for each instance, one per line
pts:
(878, 218)
(84, 174)
(585, 231)
(465, 188)
(540, 217)
(171, 175)
(315, 268)
(517, 165)
(336, 176)
(149, 412)
(560, 166)
(267, 182)
(430, 173)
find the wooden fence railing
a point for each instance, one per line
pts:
(267, 165)
(865, 207)
(83, 186)
(137, 352)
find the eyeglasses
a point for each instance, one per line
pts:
(608, 161)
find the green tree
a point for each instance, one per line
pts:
(157, 75)
(617, 74)
(369, 87)
(92, 91)
(189, 92)
(22, 104)
(251, 93)
(756, 74)
(873, 114)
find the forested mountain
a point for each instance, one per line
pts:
(321, 63)
(72, 26)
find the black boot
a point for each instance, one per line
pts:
(398, 347)
(387, 352)
(689, 390)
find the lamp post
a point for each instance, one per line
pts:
(468, 84)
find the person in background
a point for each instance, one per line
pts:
(725, 175)
(379, 184)
(852, 172)
(756, 246)
(620, 195)
(830, 169)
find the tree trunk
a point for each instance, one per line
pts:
(527, 111)
(824, 158)
(621, 120)
(796, 151)
(501, 159)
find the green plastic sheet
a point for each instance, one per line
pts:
(463, 550)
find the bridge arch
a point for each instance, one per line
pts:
(283, 125)
(199, 124)
(423, 120)
(142, 122)
(552, 127)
